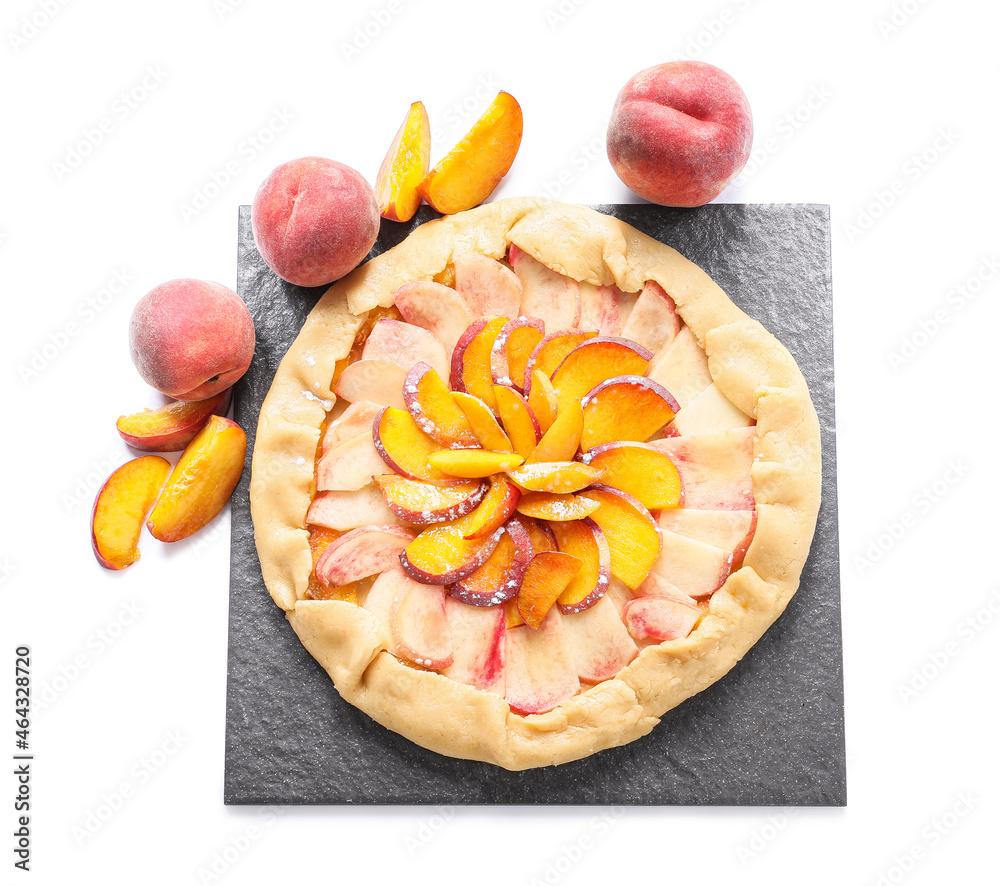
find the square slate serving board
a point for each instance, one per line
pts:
(771, 732)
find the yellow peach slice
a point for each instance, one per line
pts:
(171, 427)
(404, 166)
(542, 400)
(473, 463)
(513, 348)
(625, 407)
(429, 401)
(470, 172)
(630, 531)
(492, 512)
(555, 476)
(405, 448)
(556, 506)
(546, 578)
(585, 541)
(201, 482)
(415, 501)
(519, 421)
(540, 534)
(595, 361)
(499, 578)
(562, 440)
(471, 363)
(121, 508)
(640, 470)
(484, 424)
(551, 351)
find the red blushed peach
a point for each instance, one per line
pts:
(314, 220)
(191, 339)
(680, 133)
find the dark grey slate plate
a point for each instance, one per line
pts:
(769, 733)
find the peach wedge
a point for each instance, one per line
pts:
(405, 448)
(631, 533)
(471, 361)
(470, 172)
(595, 361)
(584, 540)
(404, 166)
(201, 482)
(171, 427)
(424, 504)
(435, 411)
(121, 508)
(546, 578)
(640, 470)
(625, 407)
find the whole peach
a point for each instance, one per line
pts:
(191, 339)
(314, 220)
(680, 132)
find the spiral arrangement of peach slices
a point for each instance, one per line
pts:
(532, 479)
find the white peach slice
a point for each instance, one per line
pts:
(350, 465)
(355, 419)
(488, 288)
(419, 626)
(605, 308)
(654, 322)
(707, 413)
(599, 642)
(660, 618)
(378, 381)
(478, 643)
(362, 552)
(682, 367)
(434, 307)
(540, 670)
(714, 468)
(693, 567)
(545, 294)
(343, 510)
(405, 344)
(730, 530)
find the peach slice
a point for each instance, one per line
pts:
(478, 640)
(693, 567)
(405, 448)
(682, 367)
(472, 463)
(562, 440)
(625, 407)
(434, 307)
(539, 667)
(640, 470)
(419, 626)
(435, 411)
(443, 555)
(546, 294)
(377, 381)
(546, 578)
(513, 617)
(356, 419)
(595, 361)
(471, 368)
(714, 468)
(362, 552)
(550, 352)
(584, 540)
(540, 534)
(404, 344)
(708, 413)
(542, 400)
(512, 348)
(519, 421)
(405, 164)
(344, 510)
(654, 322)
(599, 642)
(630, 531)
(730, 530)
(121, 507)
(425, 504)
(488, 288)
(605, 308)
(492, 512)
(171, 427)
(555, 476)
(351, 465)
(499, 578)
(472, 169)
(484, 424)
(201, 482)
(660, 618)
(556, 506)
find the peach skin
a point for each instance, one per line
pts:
(121, 508)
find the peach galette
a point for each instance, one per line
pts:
(530, 479)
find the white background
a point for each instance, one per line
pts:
(886, 110)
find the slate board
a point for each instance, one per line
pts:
(771, 732)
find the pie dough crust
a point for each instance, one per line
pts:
(747, 363)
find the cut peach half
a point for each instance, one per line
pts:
(625, 407)
(556, 506)
(555, 476)
(171, 427)
(562, 440)
(484, 423)
(471, 367)
(519, 421)
(512, 349)
(425, 504)
(585, 541)
(630, 531)
(499, 578)
(551, 351)
(542, 400)
(546, 578)
(121, 507)
(201, 482)
(404, 166)
(472, 169)
(405, 448)
(435, 411)
(640, 470)
(595, 361)
(471, 463)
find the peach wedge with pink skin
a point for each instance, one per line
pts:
(534, 479)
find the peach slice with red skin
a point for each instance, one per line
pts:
(121, 507)
(471, 170)
(630, 531)
(435, 411)
(404, 344)
(443, 555)
(595, 361)
(471, 367)
(419, 626)
(625, 407)
(546, 294)
(478, 640)
(599, 642)
(562, 440)
(640, 470)
(488, 288)
(346, 509)
(405, 448)
(492, 512)
(472, 463)
(405, 164)
(550, 352)
(499, 578)
(556, 506)
(362, 552)
(555, 476)
(654, 321)
(201, 482)
(425, 504)
(659, 618)
(540, 670)
(584, 540)
(484, 423)
(605, 308)
(540, 534)
(171, 427)
(546, 578)
(434, 307)
(512, 349)
(519, 421)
